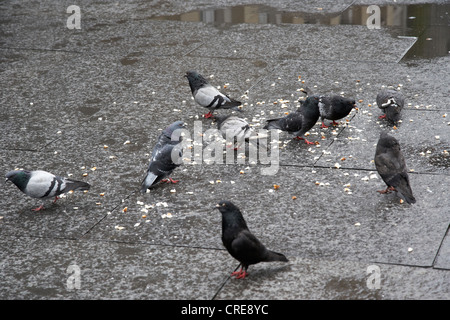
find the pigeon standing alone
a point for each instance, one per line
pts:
(391, 102)
(43, 185)
(162, 162)
(240, 242)
(335, 108)
(391, 166)
(300, 121)
(208, 96)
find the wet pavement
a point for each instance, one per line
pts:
(89, 103)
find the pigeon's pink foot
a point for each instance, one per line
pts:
(208, 115)
(241, 274)
(335, 123)
(170, 180)
(387, 190)
(382, 117)
(306, 141)
(323, 126)
(56, 198)
(38, 208)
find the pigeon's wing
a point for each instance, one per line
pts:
(162, 164)
(43, 185)
(389, 166)
(210, 97)
(166, 159)
(247, 248)
(389, 97)
(325, 108)
(235, 127)
(206, 96)
(392, 169)
(290, 123)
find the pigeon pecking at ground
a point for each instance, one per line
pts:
(391, 102)
(166, 156)
(235, 128)
(391, 166)
(208, 96)
(43, 185)
(240, 242)
(335, 108)
(300, 121)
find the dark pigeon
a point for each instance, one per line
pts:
(391, 102)
(43, 185)
(335, 108)
(240, 242)
(208, 96)
(300, 121)
(391, 166)
(162, 163)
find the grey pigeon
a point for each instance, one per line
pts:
(166, 156)
(300, 121)
(391, 102)
(334, 108)
(240, 242)
(43, 185)
(391, 166)
(208, 96)
(235, 128)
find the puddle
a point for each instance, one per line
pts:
(429, 22)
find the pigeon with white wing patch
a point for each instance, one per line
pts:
(391, 102)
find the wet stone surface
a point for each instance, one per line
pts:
(90, 103)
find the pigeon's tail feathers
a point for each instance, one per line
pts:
(405, 192)
(275, 256)
(236, 108)
(409, 198)
(233, 103)
(272, 124)
(76, 185)
(148, 181)
(403, 188)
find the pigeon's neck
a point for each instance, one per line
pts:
(21, 181)
(197, 83)
(234, 222)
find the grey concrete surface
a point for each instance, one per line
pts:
(93, 101)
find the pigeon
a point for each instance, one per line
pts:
(162, 162)
(234, 127)
(240, 242)
(391, 102)
(300, 121)
(43, 185)
(334, 108)
(208, 96)
(391, 166)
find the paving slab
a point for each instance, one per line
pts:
(34, 269)
(310, 279)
